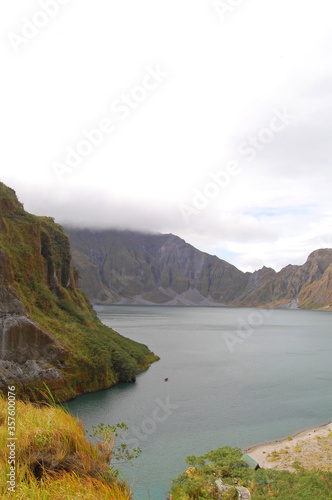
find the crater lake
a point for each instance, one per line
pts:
(236, 376)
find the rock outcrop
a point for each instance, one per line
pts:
(26, 351)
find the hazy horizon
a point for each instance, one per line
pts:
(206, 119)
(74, 226)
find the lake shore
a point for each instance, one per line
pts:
(311, 448)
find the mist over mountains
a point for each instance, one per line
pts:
(128, 267)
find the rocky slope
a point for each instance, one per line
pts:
(308, 286)
(133, 268)
(49, 332)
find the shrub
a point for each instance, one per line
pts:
(226, 464)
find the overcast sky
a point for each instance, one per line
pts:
(208, 119)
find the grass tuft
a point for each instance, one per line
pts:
(54, 459)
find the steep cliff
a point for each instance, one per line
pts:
(136, 268)
(49, 332)
(308, 286)
(132, 267)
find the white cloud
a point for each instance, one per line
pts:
(225, 81)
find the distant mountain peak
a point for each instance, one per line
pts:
(146, 268)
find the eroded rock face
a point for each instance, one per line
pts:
(22, 340)
(9, 302)
(128, 267)
(26, 351)
(30, 370)
(124, 265)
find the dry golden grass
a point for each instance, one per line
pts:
(67, 487)
(54, 460)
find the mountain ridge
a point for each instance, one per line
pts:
(129, 267)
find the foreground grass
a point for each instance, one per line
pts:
(69, 487)
(53, 458)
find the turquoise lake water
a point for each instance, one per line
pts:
(236, 376)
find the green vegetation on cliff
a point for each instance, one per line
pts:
(36, 270)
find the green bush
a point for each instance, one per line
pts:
(226, 464)
(124, 365)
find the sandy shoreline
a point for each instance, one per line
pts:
(312, 448)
